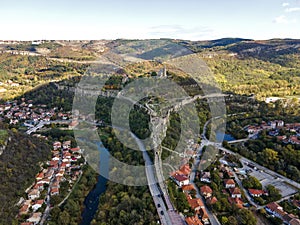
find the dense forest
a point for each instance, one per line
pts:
(123, 204)
(19, 164)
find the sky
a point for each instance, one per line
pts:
(142, 19)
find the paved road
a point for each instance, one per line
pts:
(245, 191)
(153, 186)
(213, 219)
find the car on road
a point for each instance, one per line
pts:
(158, 205)
(162, 213)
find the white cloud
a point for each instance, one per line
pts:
(282, 19)
(295, 9)
(285, 4)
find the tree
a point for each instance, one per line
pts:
(274, 193)
(245, 217)
(55, 213)
(252, 182)
(233, 220)
(276, 220)
(64, 218)
(224, 220)
(270, 156)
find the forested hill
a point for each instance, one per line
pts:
(264, 68)
(19, 164)
(243, 66)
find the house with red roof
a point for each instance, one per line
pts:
(188, 188)
(185, 170)
(67, 155)
(180, 179)
(34, 194)
(38, 204)
(212, 200)
(237, 201)
(39, 186)
(193, 220)
(54, 191)
(24, 209)
(40, 176)
(195, 203)
(204, 216)
(76, 150)
(257, 193)
(229, 183)
(206, 191)
(296, 203)
(235, 192)
(294, 140)
(35, 218)
(275, 209)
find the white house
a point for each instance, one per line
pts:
(34, 194)
(35, 218)
(38, 204)
(181, 179)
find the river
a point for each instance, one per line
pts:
(226, 137)
(91, 201)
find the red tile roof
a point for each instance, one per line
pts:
(195, 202)
(229, 181)
(237, 201)
(75, 149)
(256, 192)
(180, 177)
(39, 202)
(194, 220)
(185, 169)
(40, 175)
(188, 187)
(273, 206)
(235, 191)
(206, 189)
(212, 200)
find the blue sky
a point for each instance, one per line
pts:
(189, 19)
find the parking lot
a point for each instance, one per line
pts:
(267, 179)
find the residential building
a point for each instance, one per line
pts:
(195, 203)
(229, 183)
(257, 193)
(235, 192)
(181, 180)
(34, 194)
(193, 220)
(206, 191)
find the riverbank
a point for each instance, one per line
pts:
(70, 211)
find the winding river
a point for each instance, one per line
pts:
(91, 201)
